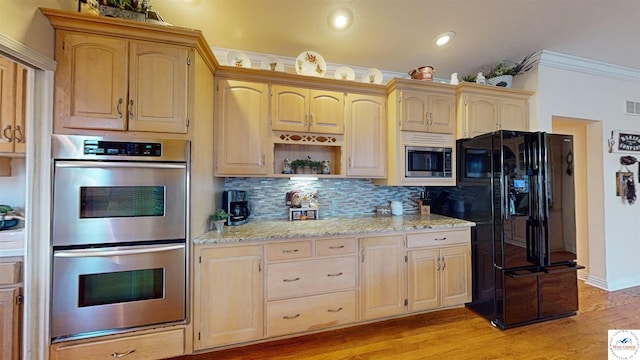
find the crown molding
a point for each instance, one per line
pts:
(24, 54)
(588, 66)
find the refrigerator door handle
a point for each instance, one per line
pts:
(567, 268)
(507, 200)
(517, 275)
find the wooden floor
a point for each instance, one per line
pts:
(461, 334)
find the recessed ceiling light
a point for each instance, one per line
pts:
(444, 38)
(340, 19)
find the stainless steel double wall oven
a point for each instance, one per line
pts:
(119, 233)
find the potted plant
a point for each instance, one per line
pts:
(126, 9)
(501, 74)
(217, 219)
(298, 166)
(315, 166)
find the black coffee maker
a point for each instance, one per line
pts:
(236, 204)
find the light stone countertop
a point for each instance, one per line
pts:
(284, 229)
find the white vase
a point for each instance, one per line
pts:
(480, 79)
(454, 79)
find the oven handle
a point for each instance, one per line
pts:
(106, 164)
(116, 251)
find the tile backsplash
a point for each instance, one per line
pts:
(336, 197)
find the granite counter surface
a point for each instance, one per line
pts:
(283, 229)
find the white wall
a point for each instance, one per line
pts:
(580, 88)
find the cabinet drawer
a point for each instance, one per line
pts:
(10, 272)
(310, 277)
(158, 345)
(328, 247)
(438, 238)
(310, 313)
(289, 250)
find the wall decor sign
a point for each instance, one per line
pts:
(624, 141)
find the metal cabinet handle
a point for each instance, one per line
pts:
(8, 133)
(121, 355)
(18, 136)
(444, 264)
(306, 118)
(130, 110)
(286, 317)
(285, 251)
(332, 275)
(310, 118)
(336, 247)
(334, 310)
(291, 280)
(440, 239)
(118, 108)
(438, 269)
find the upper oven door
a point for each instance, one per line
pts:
(98, 202)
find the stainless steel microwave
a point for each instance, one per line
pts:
(428, 162)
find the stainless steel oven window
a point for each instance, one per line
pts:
(121, 201)
(120, 287)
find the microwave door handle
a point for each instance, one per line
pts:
(105, 252)
(137, 165)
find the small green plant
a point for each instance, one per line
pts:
(219, 214)
(140, 6)
(299, 163)
(502, 68)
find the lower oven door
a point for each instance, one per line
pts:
(115, 288)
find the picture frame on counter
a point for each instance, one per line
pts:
(301, 214)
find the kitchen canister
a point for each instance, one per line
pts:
(396, 208)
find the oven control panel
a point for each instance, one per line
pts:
(122, 148)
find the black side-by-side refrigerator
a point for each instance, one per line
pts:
(524, 251)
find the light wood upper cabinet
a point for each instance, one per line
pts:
(12, 101)
(228, 295)
(110, 83)
(382, 276)
(366, 136)
(426, 112)
(483, 109)
(241, 120)
(307, 110)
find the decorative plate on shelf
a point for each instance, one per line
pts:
(344, 73)
(272, 63)
(310, 63)
(239, 59)
(372, 76)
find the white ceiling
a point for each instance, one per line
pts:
(398, 35)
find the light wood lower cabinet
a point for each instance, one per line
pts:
(439, 269)
(314, 284)
(310, 313)
(382, 276)
(147, 346)
(228, 295)
(10, 300)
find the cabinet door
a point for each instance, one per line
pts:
(455, 275)
(20, 121)
(290, 109)
(481, 115)
(442, 114)
(9, 326)
(366, 136)
(382, 277)
(229, 296)
(158, 96)
(91, 81)
(7, 104)
(414, 111)
(424, 279)
(514, 115)
(326, 112)
(241, 128)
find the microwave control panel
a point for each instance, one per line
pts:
(122, 148)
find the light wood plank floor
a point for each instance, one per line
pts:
(461, 334)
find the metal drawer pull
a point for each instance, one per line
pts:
(291, 280)
(286, 317)
(336, 247)
(118, 109)
(440, 239)
(121, 355)
(289, 251)
(334, 311)
(338, 274)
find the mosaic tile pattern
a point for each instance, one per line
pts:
(336, 197)
(279, 229)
